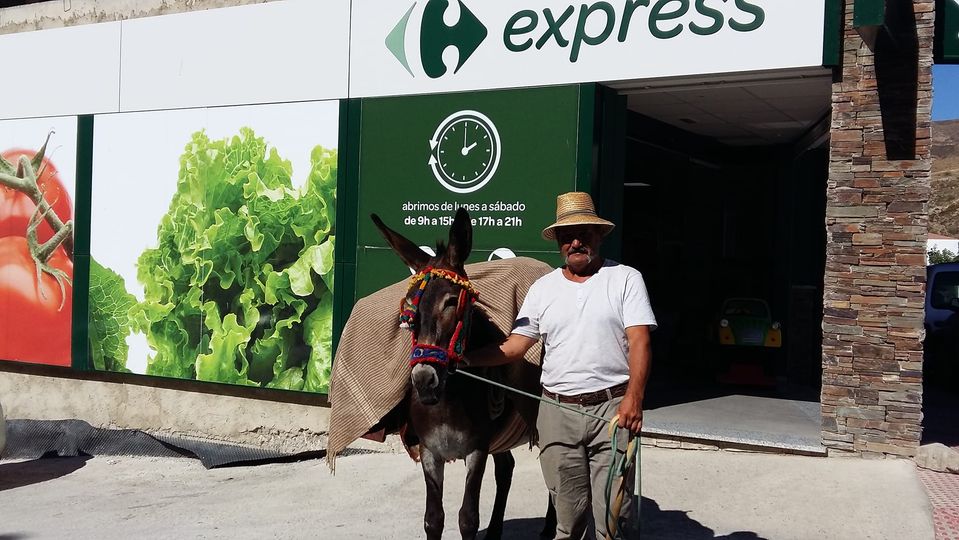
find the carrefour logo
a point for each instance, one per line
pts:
(436, 36)
(450, 24)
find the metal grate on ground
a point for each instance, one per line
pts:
(35, 439)
(943, 491)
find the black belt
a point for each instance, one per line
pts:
(589, 398)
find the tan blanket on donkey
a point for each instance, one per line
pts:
(371, 373)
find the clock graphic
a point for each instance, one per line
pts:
(465, 151)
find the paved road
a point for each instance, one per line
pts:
(687, 495)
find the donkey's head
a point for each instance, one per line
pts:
(438, 306)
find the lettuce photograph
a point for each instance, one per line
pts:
(236, 284)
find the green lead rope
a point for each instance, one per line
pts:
(617, 469)
(615, 479)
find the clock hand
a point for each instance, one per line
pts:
(470, 147)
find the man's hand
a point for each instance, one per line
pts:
(631, 414)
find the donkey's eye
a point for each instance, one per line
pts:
(451, 302)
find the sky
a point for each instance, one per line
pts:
(945, 92)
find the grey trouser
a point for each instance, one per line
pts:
(575, 454)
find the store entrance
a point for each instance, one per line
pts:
(723, 210)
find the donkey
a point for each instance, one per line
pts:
(449, 416)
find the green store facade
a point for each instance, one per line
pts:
(220, 188)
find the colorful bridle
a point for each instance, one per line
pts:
(409, 314)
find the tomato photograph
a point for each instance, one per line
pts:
(37, 185)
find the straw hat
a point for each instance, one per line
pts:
(576, 208)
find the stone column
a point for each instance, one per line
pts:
(877, 222)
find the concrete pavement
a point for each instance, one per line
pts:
(687, 495)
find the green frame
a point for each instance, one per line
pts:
(81, 244)
(832, 33)
(868, 13)
(946, 40)
(347, 208)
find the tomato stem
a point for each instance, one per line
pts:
(22, 177)
(41, 253)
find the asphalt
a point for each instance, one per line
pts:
(686, 495)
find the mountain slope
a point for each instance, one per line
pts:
(944, 203)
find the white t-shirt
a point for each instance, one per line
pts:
(583, 326)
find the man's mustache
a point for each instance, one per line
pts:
(580, 251)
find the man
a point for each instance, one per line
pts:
(594, 317)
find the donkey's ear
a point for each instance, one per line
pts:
(410, 253)
(461, 239)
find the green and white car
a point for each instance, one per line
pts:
(746, 322)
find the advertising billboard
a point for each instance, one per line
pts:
(502, 155)
(212, 240)
(37, 190)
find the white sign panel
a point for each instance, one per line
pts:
(64, 71)
(412, 47)
(296, 50)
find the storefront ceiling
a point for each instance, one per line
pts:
(744, 110)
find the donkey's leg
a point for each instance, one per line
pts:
(469, 512)
(433, 469)
(549, 524)
(504, 464)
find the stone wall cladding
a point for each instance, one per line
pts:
(877, 223)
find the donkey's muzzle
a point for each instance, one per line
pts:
(426, 381)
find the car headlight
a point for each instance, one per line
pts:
(724, 323)
(776, 325)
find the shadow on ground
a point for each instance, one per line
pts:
(35, 471)
(677, 525)
(656, 524)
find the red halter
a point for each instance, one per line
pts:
(453, 353)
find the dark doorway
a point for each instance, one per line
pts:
(724, 220)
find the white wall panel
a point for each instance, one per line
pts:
(296, 50)
(64, 71)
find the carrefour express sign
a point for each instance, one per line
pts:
(336, 48)
(409, 46)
